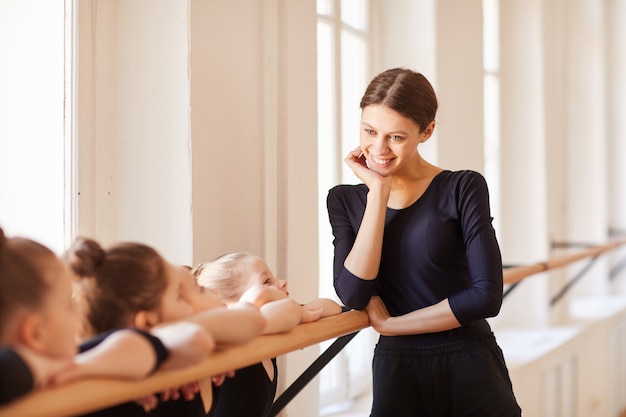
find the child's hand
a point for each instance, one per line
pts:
(260, 295)
(187, 391)
(219, 379)
(148, 403)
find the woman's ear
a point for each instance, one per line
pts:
(145, 320)
(428, 131)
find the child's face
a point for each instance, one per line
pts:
(199, 297)
(174, 304)
(59, 319)
(258, 272)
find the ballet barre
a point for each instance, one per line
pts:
(87, 395)
(516, 274)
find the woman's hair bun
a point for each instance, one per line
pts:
(85, 257)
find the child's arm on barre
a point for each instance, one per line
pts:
(283, 313)
(238, 323)
(133, 354)
(328, 306)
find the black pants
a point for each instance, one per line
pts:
(456, 379)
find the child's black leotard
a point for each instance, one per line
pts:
(250, 393)
(15, 378)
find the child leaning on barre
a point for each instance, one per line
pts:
(38, 325)
(130, 284)
(244, 277)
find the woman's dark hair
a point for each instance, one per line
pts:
(22, 282)
(116, 283)
(405, 91)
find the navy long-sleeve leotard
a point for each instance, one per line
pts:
(442, 246)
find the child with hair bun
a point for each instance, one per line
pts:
(38, 325)
(131, 284)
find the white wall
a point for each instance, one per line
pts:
(254, 130)
(459, 84)
(227, 128)
(134, 124)
(399, 42)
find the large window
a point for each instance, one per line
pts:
(491, 64)
(343, 73)
(36, 120)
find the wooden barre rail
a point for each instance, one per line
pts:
(91, 394)
(518, 273)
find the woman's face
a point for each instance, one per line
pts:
(258, 272)
(199, 297)
(174, 304)
(59, 318)
(389, 140)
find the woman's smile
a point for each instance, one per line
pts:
(381, 162)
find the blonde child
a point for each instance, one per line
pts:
(241, 276)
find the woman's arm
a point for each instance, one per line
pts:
(364, 257)
(357, 216)
(435, 318)
(483, 297)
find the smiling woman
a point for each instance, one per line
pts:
(415, 247)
